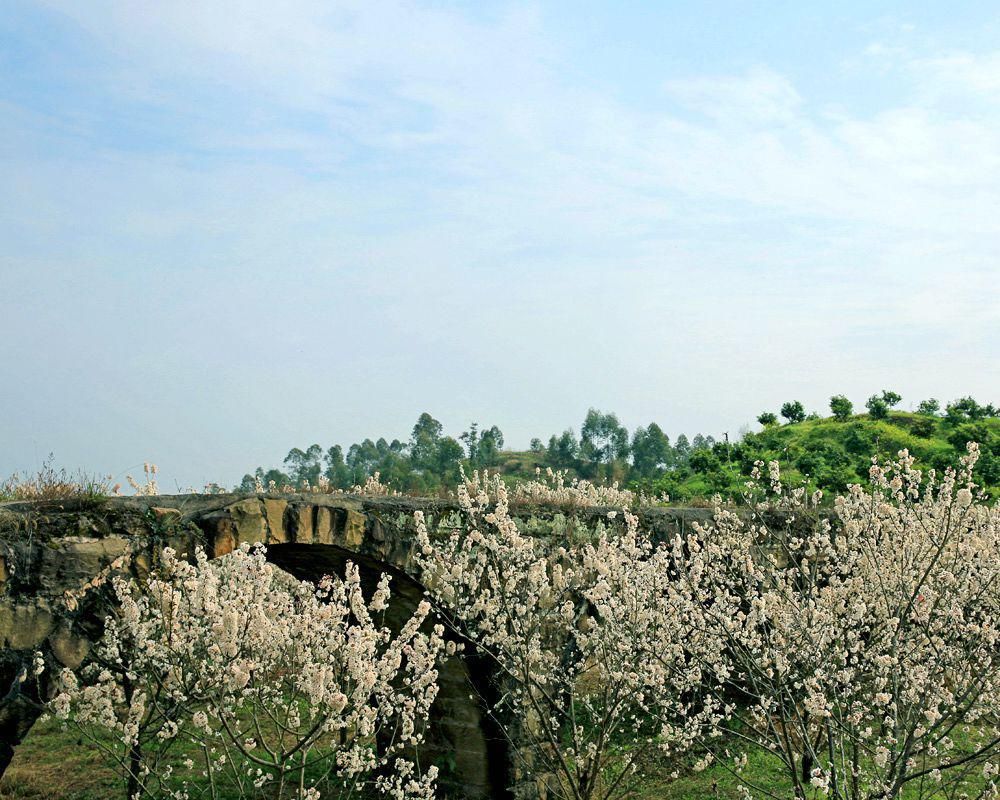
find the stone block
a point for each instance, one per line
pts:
(324, 525)
(274, 514)
(301, 518)
(354, 529)
(75, 560)
(24, 626)
(68, 649)
(224, 539)
(251, 527)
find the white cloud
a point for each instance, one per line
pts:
(445, 185)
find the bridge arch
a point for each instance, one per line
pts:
(48, 551)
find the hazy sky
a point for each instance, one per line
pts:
(227, 229)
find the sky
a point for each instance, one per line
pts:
(228, 229)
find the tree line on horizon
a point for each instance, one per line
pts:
(829, 457)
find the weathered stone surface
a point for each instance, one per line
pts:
(224, 538)
(68, 649)
(354, 529)
(274, 514)
(301, 518)
(162, 513)
(73, 560)
(324, 525)
(25, 626)
(248, 517)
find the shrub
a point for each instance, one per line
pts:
(793, 411)
(877, 407)
(841, 407)
(767, 419)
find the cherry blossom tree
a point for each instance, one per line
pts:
(264, 681)
(864, 648)
(592, 650)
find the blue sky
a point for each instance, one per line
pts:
(231, 228)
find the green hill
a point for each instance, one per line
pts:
(829, 453)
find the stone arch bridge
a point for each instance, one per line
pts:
(53, 547)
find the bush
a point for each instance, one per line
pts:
(841, 407)
(793, 411)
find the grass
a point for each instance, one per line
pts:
(714, 782)
(50, 483)
(55, 764)
(52, 764)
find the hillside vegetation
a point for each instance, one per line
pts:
(824, 452)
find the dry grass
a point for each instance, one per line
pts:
(50, 483)
(52, 764)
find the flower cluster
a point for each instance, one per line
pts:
(148, 487)
(271, 682)
(553, 488)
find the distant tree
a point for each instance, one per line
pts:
(563, 450)
(490, 445)
(424, 442)
(449, 455)
(704, 462)
(603, 441)
(471, 440)
(249, 483)
(877, 407)
(891, 399)
(651, 451)
(483, 447)
(929, 408)
(305, 465)
(964, 409)
(337, 471)
(536, 446)
(682, 450)
(767, 419)
(793, 411)
(841, 407)
(362, 460)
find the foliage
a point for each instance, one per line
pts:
(841, 407)
(929, 408)
(793, 411)
(829, 453)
